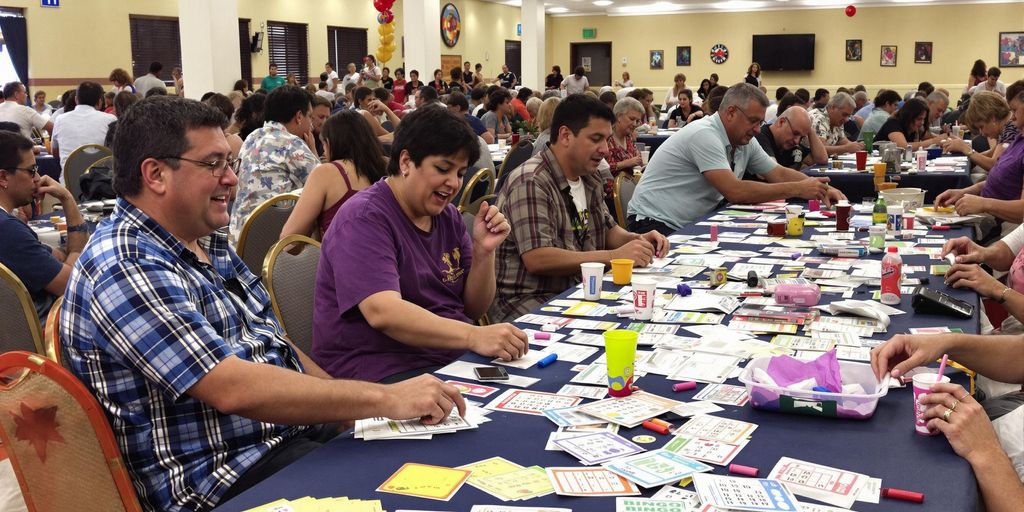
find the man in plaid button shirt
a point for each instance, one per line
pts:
(176, 338)
(555, 204)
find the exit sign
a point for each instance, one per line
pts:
(49, 3)
(590, 33)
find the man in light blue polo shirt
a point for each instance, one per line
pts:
(705, 162)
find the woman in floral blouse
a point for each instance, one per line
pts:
(622, 153)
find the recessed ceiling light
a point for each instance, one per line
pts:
(735, 5)
(558, 10)
(657, 7)
(603, 3)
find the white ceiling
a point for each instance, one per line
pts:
(642, 7)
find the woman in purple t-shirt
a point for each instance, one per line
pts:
(401, 278)
(1000, 195)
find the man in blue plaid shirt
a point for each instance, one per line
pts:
(176, 338)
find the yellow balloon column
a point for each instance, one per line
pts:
(386, 19)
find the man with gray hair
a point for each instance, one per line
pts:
(937, 104)
(716, 151)
(860, 99)
(828, 124)
(786, 140)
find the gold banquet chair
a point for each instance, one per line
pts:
(622, 194)
(262, 229)
(290, 277)
(51, 333)
(480, 184)
(78, 162)
(58, 440)
(19, 328)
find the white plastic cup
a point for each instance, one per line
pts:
(593, 274)
(644, 291)
(501, 143)
(923, 383)
(921, 157)
(645, 156)
(955, 131)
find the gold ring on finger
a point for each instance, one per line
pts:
(947, 414)
(955, 403)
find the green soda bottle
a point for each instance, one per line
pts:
(879, 213)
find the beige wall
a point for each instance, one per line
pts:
(85, 39)
(88, 38)
(485, 27)
(960, 33)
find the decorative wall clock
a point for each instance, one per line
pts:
(719, 53)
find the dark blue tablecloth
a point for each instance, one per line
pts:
(49, 165)
(859, 185)
(652, 141)
(884, 446)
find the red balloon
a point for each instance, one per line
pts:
(388, 16)
(388, 3)
(379, 5)
(851, 10)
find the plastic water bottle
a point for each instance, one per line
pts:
(892, 272)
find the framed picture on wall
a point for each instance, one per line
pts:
(854, 50)
(887, 58)
(1011, 49)
(923, 52)
(657, 59)
(682, 55)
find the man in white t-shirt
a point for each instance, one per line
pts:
(13, 110)
(992, 84)
(332, 78)
(151, 80)
(86, 124)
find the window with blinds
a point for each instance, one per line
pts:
(345, 45)
(289, 48)
(244, 47)
(514, 58)
(154, 39)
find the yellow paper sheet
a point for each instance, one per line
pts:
(425, 481)
(488, 467)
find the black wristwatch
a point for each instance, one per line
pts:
(81, 228)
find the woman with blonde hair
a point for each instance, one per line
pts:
(991, 116)
(678, 85)
(625, 82)
(179, 83)
(544, 115)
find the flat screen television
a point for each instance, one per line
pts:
(784, 52)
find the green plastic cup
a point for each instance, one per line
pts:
(869, 141)
(620, 352)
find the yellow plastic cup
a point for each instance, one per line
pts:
(879, 169)
(620, 352)
(622, 271)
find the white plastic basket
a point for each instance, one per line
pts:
(818, 403)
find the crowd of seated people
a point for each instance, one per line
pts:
(404, 280)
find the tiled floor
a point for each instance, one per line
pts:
(10, 493)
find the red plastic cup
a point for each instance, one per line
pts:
(515, 139)
(842, 215)
(862, 160)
